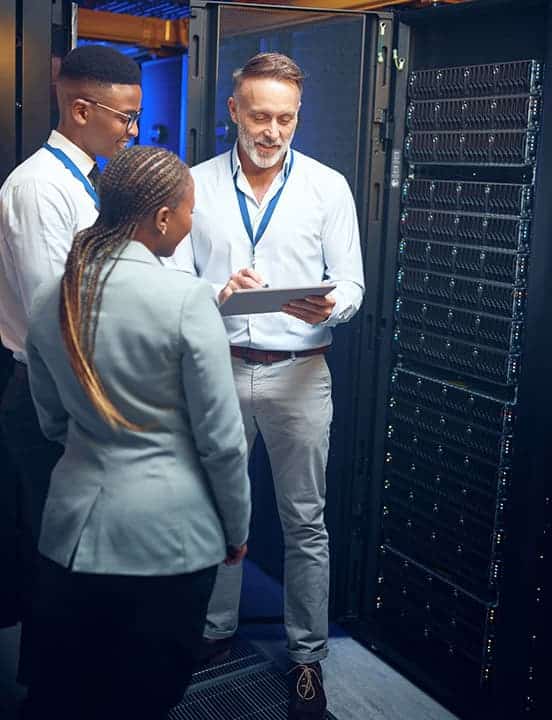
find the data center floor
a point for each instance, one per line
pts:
(359, 685)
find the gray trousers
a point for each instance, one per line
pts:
(290, 404)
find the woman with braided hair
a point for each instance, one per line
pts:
(130, 370)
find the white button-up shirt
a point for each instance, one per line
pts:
(42, 207)
(312, 236)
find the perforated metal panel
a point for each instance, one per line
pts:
(166, 9)
(246, 685)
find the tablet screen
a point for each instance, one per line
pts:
(268, 300)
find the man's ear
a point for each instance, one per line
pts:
(233, 109)
(80, 111)
(161, 219)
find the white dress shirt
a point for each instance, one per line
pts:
(42, 207)
(312, 236)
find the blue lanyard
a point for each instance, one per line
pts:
(269, 210)
(73, 169)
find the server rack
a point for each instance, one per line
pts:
(442, 516)
(456, 592)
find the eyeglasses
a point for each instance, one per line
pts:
(131, 117)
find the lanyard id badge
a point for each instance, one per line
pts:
(242, 202)
(73, 169)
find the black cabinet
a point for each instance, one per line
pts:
(460, 461)
(33, 34)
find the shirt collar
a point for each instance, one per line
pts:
(236, 162)
(83, 161)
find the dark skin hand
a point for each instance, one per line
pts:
(234, 555)
(313, 309)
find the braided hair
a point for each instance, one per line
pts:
(134, 185)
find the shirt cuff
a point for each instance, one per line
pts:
(341, 312)
(216, 287)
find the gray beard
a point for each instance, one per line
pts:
(248, 145)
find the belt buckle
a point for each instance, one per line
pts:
(254, 357)
(262, 357)
(278, 356)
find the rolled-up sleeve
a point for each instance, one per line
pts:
(342, 254)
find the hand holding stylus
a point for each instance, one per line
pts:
(244, 279)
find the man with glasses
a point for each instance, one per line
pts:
(130, 118)
(43, 204)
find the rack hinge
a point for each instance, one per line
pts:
(381, 118)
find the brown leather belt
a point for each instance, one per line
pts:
(267, 357)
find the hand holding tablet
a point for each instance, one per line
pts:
(268, 300)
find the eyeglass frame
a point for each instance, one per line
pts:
(132, 117)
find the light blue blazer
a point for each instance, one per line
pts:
(166, 500)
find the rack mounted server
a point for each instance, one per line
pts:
(450, 486)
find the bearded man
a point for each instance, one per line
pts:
(267, 214)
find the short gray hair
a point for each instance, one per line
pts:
(269, 65)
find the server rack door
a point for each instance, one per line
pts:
(36, 83)
(8, 133)
(347, 59)
(461, 507)
(27, 71)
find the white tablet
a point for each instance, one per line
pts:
(268, 300)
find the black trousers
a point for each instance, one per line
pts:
(33, 457)
(10, 541)
(9, 528)
(115, 646)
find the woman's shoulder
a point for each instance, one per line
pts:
(177, 280)
(174, 290)
(193, 305)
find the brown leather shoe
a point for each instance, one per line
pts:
(214, 652)
(307, 700)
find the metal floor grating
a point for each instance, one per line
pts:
(243, 658)
(246, 686)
